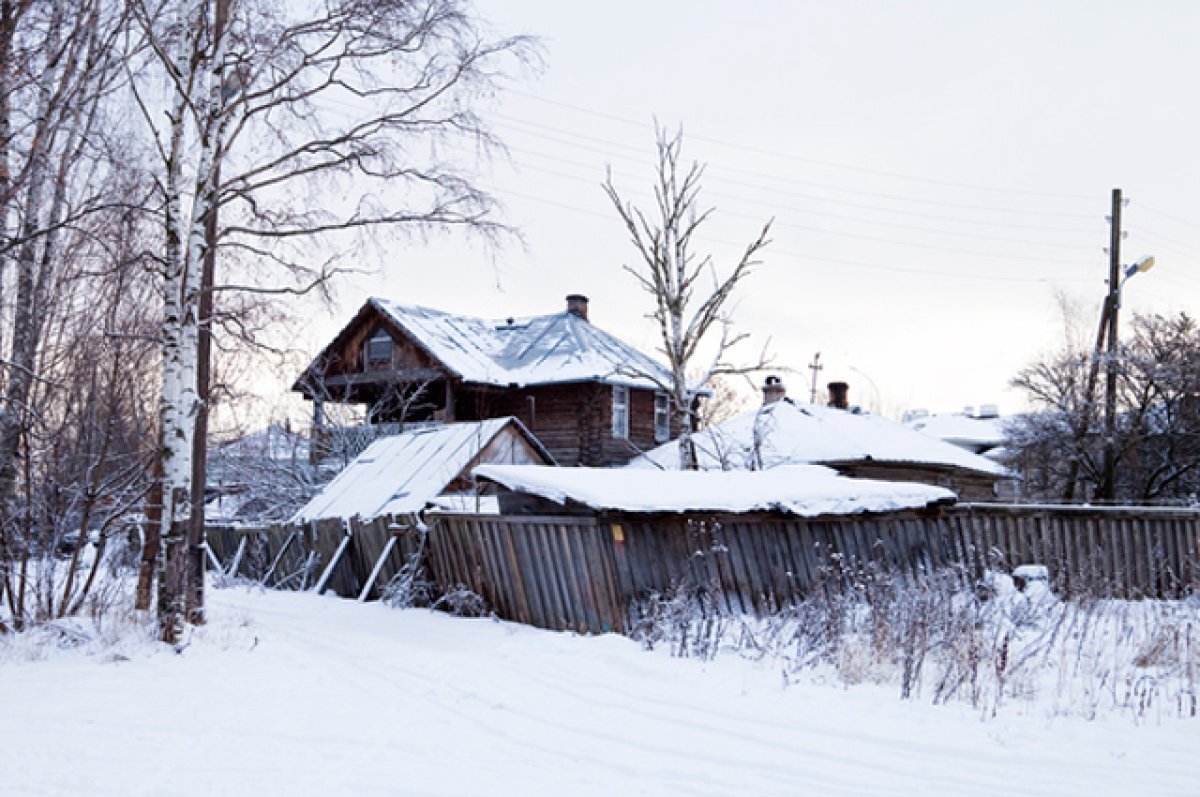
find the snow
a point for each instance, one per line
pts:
(805, 490)
(403, 473)
(294, 694)
(965, 431)
(548, 349)
(787, 432)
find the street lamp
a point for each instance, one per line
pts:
(1108, 484)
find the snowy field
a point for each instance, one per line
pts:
(293, 694)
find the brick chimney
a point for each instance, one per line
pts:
(577, 303)
(773, 390)
(839, 395)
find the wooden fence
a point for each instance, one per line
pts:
(586, 573)
(353, 559)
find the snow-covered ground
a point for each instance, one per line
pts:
(293, 694)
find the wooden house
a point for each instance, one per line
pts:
(590, 398)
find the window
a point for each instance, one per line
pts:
(662, 417)
(620, 412)
(379, 350)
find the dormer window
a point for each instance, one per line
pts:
(379, 350)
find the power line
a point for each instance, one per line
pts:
(864, 237)
(522, 126)
(772, 208)
(774, 251)
(814, 161)
(1166, 215)
(1161, 240)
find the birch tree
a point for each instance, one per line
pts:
(353, 105)
(691, 295)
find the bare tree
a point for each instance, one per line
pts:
(691, 296)
(1058, 448)
(267, 104)
(72, 423)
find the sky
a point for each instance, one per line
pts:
(938, 174)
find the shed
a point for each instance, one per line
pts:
(426, 465)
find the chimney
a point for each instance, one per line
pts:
(839, 395)
(773, 390)
(577, 303)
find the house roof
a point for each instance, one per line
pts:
(962, 430)
(804, 490)
(547, 349)
(786, 432)
(403, 473)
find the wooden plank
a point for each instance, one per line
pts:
(581, 581)
(749, 539)
(486, 570)
(213, 562)
(333, 562)
(374, 575)
(237, 557)
(547, 578)
(505, 602)
(521, 601)
(793, 534)
(729, 560)
(541, 610)
(616, 600)
(572, 574)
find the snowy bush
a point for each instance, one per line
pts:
(410, 587)
(944, 638)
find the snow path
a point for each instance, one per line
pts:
(286, 694)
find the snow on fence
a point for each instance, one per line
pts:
(590, 573)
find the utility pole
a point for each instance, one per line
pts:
(1108, 482)
(815, 367)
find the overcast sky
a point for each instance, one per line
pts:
(936, 172)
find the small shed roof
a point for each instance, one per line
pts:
(786, 432)
(404, 473)
(804, 490)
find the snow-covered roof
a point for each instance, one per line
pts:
(404, 473)
(962, 430)
(805, 490)
(556, 348)
(786, 432)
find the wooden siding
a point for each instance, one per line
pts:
(968, 485)
(573, 421)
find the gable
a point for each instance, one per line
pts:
(345, 354)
